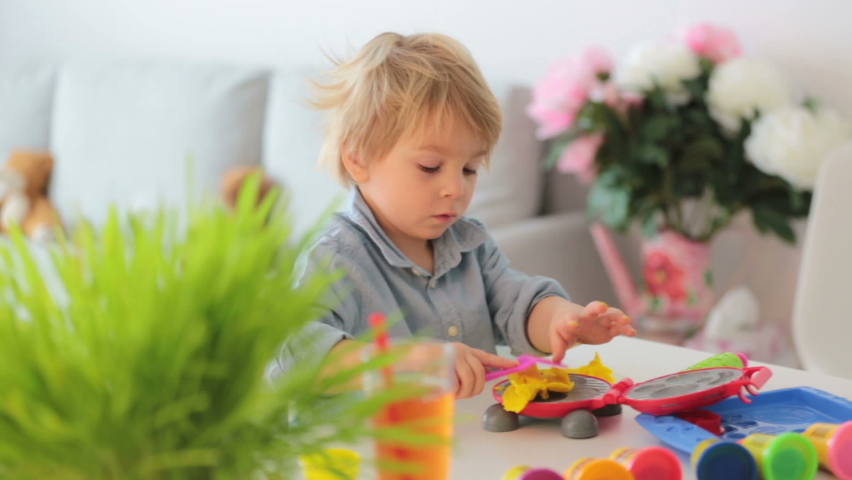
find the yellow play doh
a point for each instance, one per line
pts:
(595, 368)
(525, 386)
(532, 382)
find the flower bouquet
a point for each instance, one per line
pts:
(680, 138)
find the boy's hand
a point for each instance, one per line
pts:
(471, 364)
(597, 323)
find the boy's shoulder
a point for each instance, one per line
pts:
(466, 222)
(471, 234)
(340, 236)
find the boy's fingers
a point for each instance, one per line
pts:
(558, 346)
(626, 328)
(594, 309)
(616, 330)
(478, 375)
(564, 334)
(492, 361)
(466, 381)
(613, 317)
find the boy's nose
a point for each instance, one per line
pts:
(453, 187)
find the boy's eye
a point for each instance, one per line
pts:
(470, 171)
(429, 169)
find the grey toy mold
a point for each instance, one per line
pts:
(498, 420)
(683, 383)
(585, 388)
(580, 424)
(608, 411)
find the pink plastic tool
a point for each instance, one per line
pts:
(524, 362)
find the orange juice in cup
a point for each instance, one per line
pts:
(427, 368)
(431, 416)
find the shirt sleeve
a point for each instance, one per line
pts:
(337, 311)
(512, 295)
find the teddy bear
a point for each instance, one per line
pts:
(24, 182)
(235, 178)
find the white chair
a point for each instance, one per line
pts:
(822, 315)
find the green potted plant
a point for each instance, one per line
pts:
(138, 350)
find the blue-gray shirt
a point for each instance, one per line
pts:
(473, 297)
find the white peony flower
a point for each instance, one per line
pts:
(742, 87)
(791, 142)
(667, 64)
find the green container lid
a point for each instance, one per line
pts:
(790, 457)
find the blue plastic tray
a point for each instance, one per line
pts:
(773, 412)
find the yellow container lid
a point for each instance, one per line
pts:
(597, 469)
(330, 464)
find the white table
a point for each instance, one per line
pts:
(482, 455)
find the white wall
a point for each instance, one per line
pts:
(513, 40)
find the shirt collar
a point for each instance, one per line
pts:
(463, 236)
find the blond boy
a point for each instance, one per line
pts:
(411, 125)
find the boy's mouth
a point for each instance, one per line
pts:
(446, 217)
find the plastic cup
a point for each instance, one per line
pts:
(833, 443)
(597, 469)
(715, 459)
(332, 464)
(426, 367)
(788, 456)
(649, 463)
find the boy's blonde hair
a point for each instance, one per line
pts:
(394, 86)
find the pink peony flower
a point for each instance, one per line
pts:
(579, 157)
(556, 102)
(596, 60)
(565, 88)
(715, 43)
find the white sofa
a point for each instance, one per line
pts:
(124, 133)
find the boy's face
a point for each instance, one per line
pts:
(425, 183)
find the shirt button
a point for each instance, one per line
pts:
(453, 331)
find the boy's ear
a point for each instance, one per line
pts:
(354, 165)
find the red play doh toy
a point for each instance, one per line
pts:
(679, 392)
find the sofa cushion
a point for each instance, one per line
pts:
(511, 190)
(26, 100)
(129, 133)
(291, 146)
